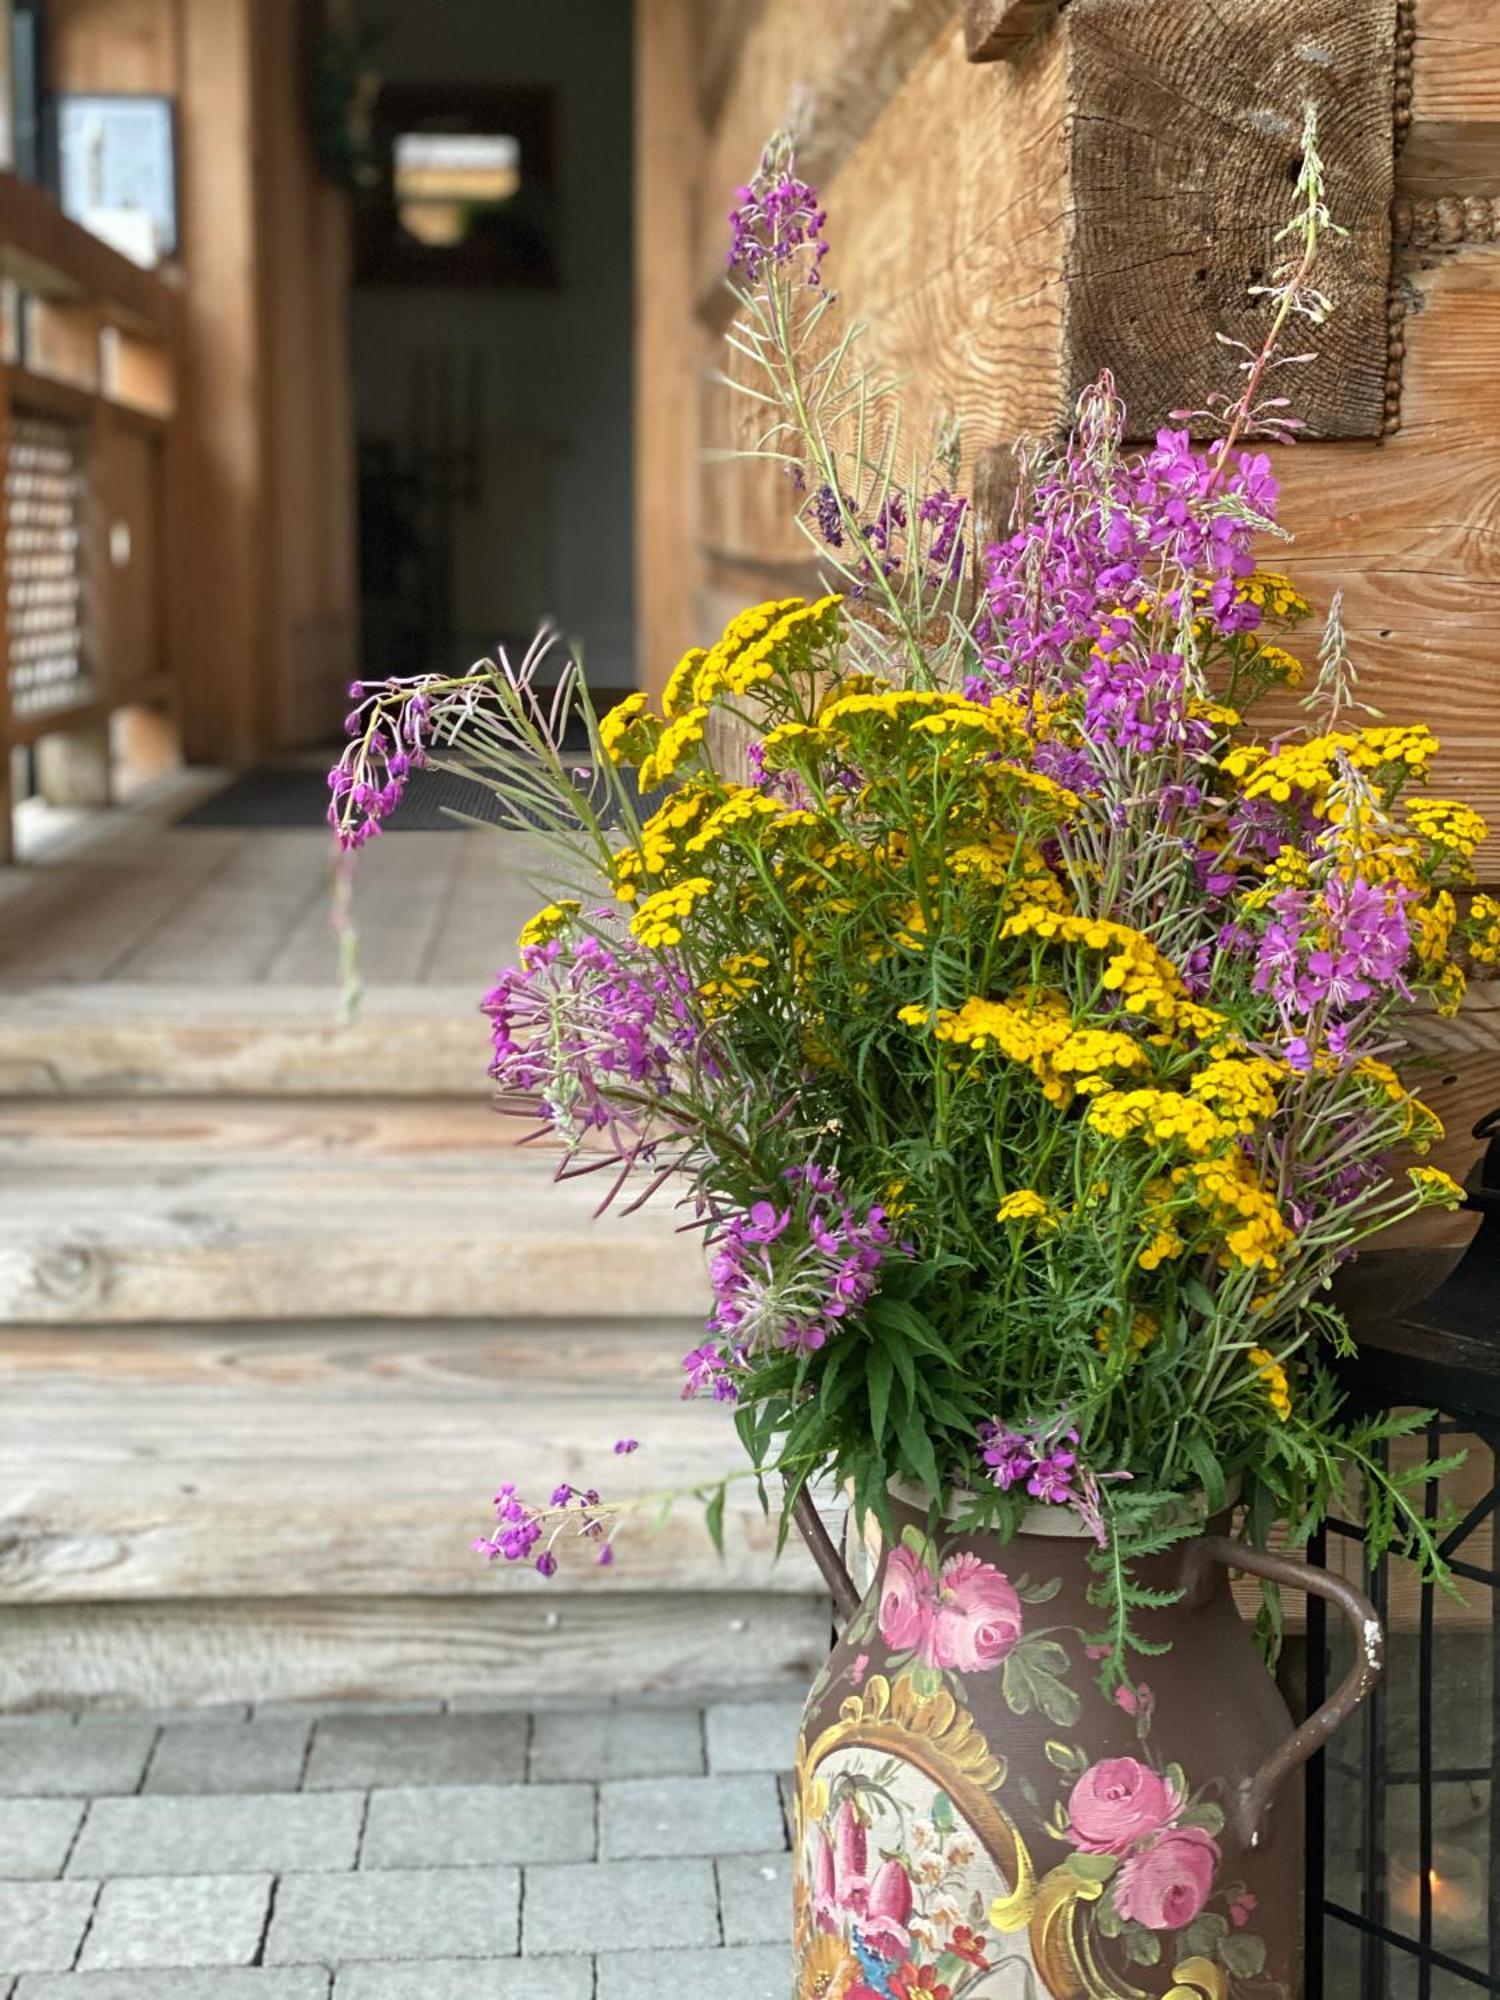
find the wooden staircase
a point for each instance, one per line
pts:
(281, 1302)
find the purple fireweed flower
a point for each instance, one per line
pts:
(774, 218)
(1106, 531)
(519, 1528)
(1009, 1456)
(789, 1277)
(588, 1033)
(713, 1371)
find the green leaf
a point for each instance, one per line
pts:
(878, 1376)
(925, 1680)
(1243, 1955)
(1204, 1934)
(942, 1812)
(713, 1519)
(1063, 1755)
(1205, 1814)
(1030, 1686)
(1092, 1867)
(917, 1446)
(1142, 1947)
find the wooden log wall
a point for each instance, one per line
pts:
(1021, 192)
(260, 546)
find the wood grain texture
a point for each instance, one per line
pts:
(234, 1649)
(1409, 530)
(946, 221)
(326, 1238)
(140, 1041)
(828, 84)
(356, 1460)
(994, 30)
(1452, 141)
(1186, 127)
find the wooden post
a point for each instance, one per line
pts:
(668, 351)
(7, 802)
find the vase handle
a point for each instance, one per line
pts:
(831, 1566)
(1257, 1792)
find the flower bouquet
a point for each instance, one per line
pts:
(1019, 1021)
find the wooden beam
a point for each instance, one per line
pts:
(668, 345)
(1178, 191)
(47, 253)
(994, 30)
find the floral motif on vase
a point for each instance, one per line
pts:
(928, 1871)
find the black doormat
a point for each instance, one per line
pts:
(291, 796)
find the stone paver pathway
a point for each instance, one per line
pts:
(396, 1852)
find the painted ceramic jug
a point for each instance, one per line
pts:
(976, 1821)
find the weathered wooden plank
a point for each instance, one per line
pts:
(355, 1461)
(399, 896)
(228, 929)
(1409, 529)
(125, 1134)
(238, 1650)
(1451, 123)
(1186, 129)
(329, 1238)
(133, 1040)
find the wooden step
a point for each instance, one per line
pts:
(555, 1647)
(161, 1212)
(122, 1039)
(354, 1461)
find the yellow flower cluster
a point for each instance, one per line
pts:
(1447, 824)
(547, 922)
(1253, 1229)
(1014, 866)
(738, 976)
(1312, 767)
(676, 742)
(1271, 1372)
(1275, 593)
(1279, 665)
(1035, 1030)
(628, 730)
(1165, 1117)
(1026, 1205)
(1145, 1325)
(1484, 930)
(1241, 1089)
(776, 637)
(742, 805)
(659, 842)
(660, 918)
(1146, 981)
(1436, 1186)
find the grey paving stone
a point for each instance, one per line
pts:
(648, 1816)
(755, 1898)
(243, 1834)
(618, 1743)
(365, 1750)
(42, 1924)
(461, 1826)
(54, 1756)
(395, 1913)
(464, 1979)
(743, 1972)
(619, 1906)
(753, 1735)
(178, 1920)
(229, 1754)
(35, 1835)
(299, 1982)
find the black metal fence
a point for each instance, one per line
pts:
(1403, 1887)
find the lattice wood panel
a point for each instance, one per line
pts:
(44, 553)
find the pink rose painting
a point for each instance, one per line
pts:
(1116, 1803)
(967, 1618)
(1168, 1882)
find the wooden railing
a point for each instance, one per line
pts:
(88, 376)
